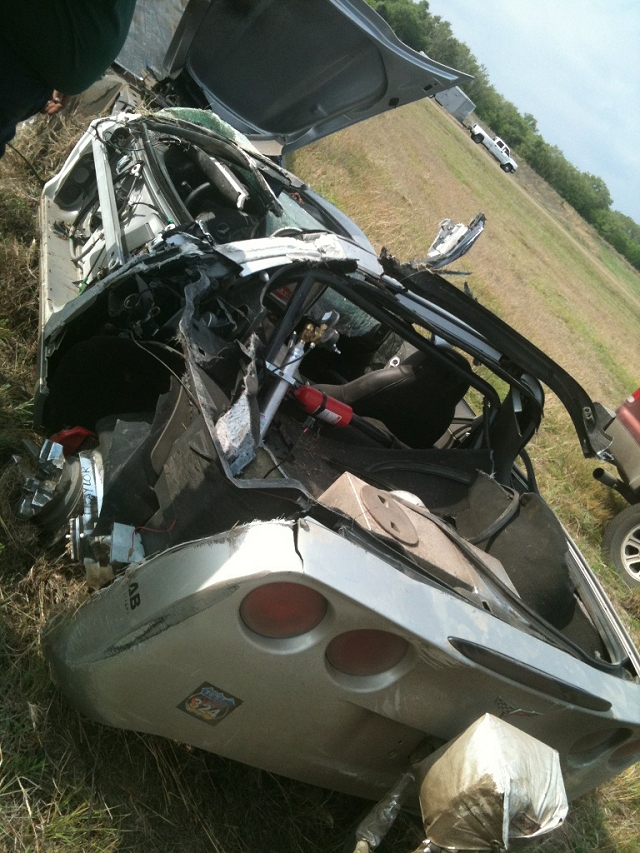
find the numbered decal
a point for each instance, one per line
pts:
(209, 704)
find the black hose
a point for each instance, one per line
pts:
(33, 169)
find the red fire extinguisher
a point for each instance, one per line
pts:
(323, 407)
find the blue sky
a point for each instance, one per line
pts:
(573, 64)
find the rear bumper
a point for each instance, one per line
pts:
(169, 631)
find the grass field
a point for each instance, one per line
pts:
(68, 785)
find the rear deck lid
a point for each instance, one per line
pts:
(297, 70)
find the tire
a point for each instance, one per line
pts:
(477, 138)
(507, 167)
(621, 544)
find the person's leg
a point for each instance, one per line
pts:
(22, 93)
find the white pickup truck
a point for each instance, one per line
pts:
(495, 146)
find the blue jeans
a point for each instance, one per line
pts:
(22, 93)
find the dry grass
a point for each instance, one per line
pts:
(19, 196)
(69, 785)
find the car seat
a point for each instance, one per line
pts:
(415, 399)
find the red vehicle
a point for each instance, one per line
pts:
(621, 540)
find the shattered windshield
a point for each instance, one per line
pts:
(298, 212)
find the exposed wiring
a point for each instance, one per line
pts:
(90, 207)
(170, 369)
(165, 347)
(306, 427)
(530, 477)
(108, 143)
(293, 360)
(153, 529)
(98, 257)
(87, 250)
(152, 207)
(37, 175)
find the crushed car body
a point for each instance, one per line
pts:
(309, 516)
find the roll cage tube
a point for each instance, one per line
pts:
(399, 321)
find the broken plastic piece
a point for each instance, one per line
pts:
(373, 828)
(126, 545)
(72, 439)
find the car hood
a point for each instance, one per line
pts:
(296, 70)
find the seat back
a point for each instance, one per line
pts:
(416, 399)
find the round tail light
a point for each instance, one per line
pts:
(281, 610)
(366, 652)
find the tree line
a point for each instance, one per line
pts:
(587, 194)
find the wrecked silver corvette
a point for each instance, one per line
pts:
(316, 556)
(311, 554)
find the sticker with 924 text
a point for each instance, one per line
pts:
(209, 704)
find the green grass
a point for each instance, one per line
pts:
(69, 785)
